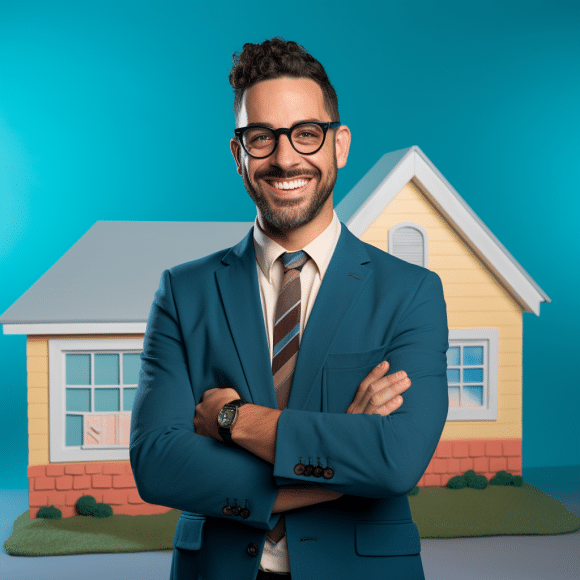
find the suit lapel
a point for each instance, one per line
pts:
(240, 294)
(346, 276)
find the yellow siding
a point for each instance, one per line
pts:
(475, 299)
(38, 402)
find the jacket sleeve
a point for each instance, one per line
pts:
(172, 465)
(371, 455)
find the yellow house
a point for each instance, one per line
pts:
(404, 206)
(85, 320)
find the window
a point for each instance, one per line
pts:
(92, 385)
(408, 241)
(472, 374)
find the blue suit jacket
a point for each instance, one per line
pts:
(206, 329)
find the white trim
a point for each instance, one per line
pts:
(491, 374)
(76, 328)
(416, 167)
(59, 452)
(420, 229)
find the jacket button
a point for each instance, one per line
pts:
(328, 473)
(299, 469)
(252, 549)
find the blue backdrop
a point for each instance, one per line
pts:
(123, 111)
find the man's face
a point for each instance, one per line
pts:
(289, 189)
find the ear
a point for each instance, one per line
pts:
(236, 152)
(342, 145)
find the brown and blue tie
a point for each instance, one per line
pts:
(286, 340)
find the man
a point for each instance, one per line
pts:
(264, 411)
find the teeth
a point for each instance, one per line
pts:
(289, 184)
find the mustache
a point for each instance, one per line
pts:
(277, 173)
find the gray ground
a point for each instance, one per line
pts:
(495, 558)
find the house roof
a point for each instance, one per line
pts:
(111, 274)
(81, 292)
(375, 191)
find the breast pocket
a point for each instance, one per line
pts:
(342, 375)
(189, 531)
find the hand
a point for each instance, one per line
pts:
(380, 395)
(206, 412)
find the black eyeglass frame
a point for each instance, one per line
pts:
(239, 133)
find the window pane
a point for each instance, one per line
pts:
(78, 399)
(473, 396)
(106, 369)
(74, 429)
(128, 398)
(78, 369)
(131, 366)
(454, 396)
(107, 400)
(453, 356)
(473, 355)
(472, 375)
(452, 375)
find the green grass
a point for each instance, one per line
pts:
(438, 512)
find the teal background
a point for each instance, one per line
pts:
(123, 111)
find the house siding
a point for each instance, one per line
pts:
(475, 299)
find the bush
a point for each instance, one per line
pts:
(414, 491)
(478, 482)
(468, 479)
(505, 478)
(49, 513)
(87, 506)
(457, 482)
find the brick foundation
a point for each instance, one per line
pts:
(62, 484)
(485, 457)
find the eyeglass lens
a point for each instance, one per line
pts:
(306, 138)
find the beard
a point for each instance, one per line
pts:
(287, 214)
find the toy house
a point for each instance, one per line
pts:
(85, 320)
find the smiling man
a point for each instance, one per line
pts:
(264, 410)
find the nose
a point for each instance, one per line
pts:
(285, 155)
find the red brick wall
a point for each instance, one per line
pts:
(62, 484)
(485, 457)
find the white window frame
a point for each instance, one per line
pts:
(57, 351)
(489, 338)
(393, 231)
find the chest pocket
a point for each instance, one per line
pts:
(342, 375)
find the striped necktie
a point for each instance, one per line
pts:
(286, 341)
(287, 326)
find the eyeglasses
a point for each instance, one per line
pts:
(306, 138)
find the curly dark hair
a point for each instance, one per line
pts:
(274, 59)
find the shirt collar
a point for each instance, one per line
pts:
(320, 249)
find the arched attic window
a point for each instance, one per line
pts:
(408, 241)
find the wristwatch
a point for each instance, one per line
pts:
(226, 419)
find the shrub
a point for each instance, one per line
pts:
(468, 479)
(478, 482)
(87, 506)
(49, 513)
(414, 491)
(505, 478)
(457, 482)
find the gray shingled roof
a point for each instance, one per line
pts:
(113, 271)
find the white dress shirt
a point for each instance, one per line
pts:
(270, 274)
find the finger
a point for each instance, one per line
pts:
(375, 374)
(378, 392)
(389, 407)
(384, 391)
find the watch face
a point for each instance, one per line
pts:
(226, 416)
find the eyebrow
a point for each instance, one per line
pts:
(270, 126)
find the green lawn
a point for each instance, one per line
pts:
(438, 512)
